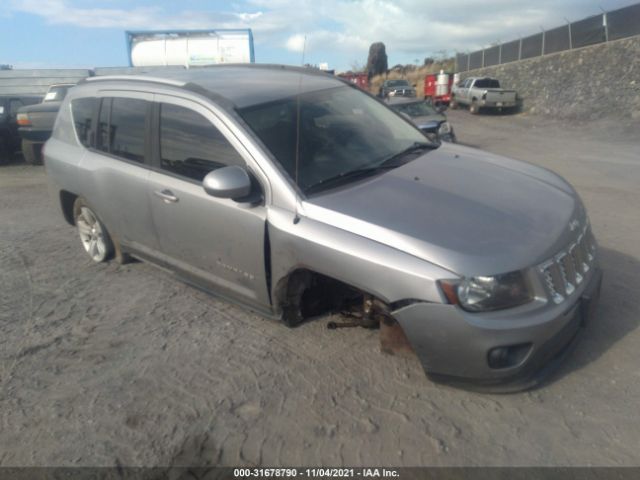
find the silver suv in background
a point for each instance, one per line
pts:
(328, 200)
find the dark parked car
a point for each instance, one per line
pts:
(36, 122)
(397, 88)
(430, 120)
(9, 138)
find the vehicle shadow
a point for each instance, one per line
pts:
(492, 112)
(11, 159)
(497, 112)
(617, 315)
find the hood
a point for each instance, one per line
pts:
(469, 211)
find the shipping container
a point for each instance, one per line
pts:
(189, 48)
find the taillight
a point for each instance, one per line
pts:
(23, 120)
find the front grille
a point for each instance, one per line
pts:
(567, 269)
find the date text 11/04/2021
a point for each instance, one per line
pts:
(315, 472)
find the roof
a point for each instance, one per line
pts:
(243, 84)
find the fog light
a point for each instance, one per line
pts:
(510, 356)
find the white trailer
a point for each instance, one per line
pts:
(189, 48)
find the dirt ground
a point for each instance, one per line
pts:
(125, 365)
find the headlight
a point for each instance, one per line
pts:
(445, 128)
(486, 293)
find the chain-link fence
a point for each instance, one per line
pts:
(607, 26)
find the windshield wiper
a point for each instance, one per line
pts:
(345, 177)
(415, 148)
(388, 164)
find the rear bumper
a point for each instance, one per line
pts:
(454, 349)
(498, 104)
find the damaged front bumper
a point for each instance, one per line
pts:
(497, 354)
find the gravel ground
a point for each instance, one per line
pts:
(125, 365)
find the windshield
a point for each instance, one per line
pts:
(56, 94)
(487, 83)
(341, 130)
(397, 83)
(415, 109)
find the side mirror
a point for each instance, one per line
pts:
(227, 182)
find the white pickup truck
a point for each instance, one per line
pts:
(482, 92)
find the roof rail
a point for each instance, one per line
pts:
(270, 66)
(137, 78)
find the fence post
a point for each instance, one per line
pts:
(570, 40)
(500, 54)
(483, 58)
(542, 48)
(468, 61)
(605, 24)
(520, 49)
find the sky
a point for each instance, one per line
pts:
(90, 33)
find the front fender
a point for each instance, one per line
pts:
(380, 270)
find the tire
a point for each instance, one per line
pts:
(474, 109)
(93, 234)
(453, 105)
(32, 152)
(5, 151)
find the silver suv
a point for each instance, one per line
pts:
(324, 199)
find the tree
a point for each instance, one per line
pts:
(356, 66)
(377, 61)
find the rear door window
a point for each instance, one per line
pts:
(122, 128)
(83, 111)
(190, 145)
(128, 127)
(102, 135)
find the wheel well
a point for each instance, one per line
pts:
(67, 199)
(304, 294)
(474, 99)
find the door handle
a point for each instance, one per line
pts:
(166, 195)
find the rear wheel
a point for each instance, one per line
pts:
(93, 234)
(32, 152)
(453, 105)
(474, 108)
(5, 151)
